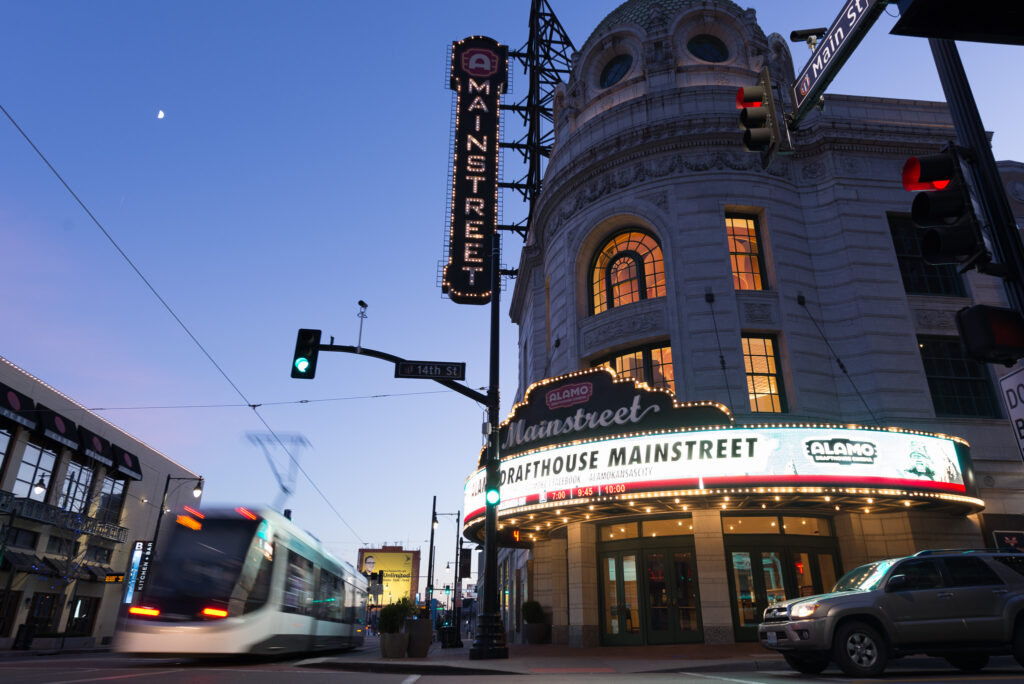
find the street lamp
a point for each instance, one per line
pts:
(196, 492)
(40, 486)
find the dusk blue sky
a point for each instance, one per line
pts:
(301, 166)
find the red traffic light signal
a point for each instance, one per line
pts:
(757, 116)
(991, 334)
(943, 208)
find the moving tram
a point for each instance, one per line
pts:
(243, 580)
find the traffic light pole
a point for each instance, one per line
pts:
(970, 132)
(490, 633)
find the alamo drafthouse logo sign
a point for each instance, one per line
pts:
(479, 71)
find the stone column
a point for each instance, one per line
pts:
(550, 586)
(715, 607)
(584, 630)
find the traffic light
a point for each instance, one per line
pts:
(447, 590)
(307, 347)
(943, 208)
(991, 334)
(492, 491)
(759, 117)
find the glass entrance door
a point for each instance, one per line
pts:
(620, 599)
(762, 577)
(671, 597)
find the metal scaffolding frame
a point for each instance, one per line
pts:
(547, 60)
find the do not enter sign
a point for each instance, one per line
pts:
(1012, 386)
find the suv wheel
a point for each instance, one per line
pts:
(859, 650)
(807, 663)
(968, 662)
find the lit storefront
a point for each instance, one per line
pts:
(639, 486)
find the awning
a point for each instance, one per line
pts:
(56, 427)
(99, 572)
(95, 447)
(127, 463)
(21, 562)
(17, 407)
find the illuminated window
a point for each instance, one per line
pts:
(627, 268)
(764, 384)
(745, 253)
(960, 386)
(919, 277)
(36, 466)
(650, 364)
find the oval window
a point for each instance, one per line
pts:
(615, 69)
(708, 48)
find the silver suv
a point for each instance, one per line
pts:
(963, 605)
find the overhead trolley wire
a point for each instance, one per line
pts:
(174, 315)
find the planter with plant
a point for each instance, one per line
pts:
(393, 642)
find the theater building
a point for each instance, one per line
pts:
(76, 494)
(736, 383)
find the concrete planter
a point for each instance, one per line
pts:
(421, 633)
(393, 645)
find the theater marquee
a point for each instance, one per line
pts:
(479, 70)
(590, 437)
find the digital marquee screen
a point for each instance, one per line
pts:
(769, 456)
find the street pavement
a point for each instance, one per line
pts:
(622, 660)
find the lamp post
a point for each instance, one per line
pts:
(196, 492)
(430, 558)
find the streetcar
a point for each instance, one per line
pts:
(244, 581)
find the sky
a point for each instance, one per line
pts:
(300, 166)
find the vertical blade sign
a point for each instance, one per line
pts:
(479, 73)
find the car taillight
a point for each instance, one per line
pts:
(215, 612)
(142, 610)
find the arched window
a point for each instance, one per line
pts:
(627, 268)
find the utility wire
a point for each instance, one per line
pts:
(802, 301)
(265, 403)
(709, 297)
(173, 314)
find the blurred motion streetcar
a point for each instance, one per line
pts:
(234, 581)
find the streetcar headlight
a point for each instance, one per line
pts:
(804, 610)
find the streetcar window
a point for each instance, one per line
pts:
(199, 568)
(330, 601)
(260, 590)
(298, 588)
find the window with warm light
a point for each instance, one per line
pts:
(651, 364)
(745, 253)
(620, 531)
(764, 382)
(628, 267)
(667, 528)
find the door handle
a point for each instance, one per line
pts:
(945, 594)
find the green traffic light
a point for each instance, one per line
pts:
(493, 496)
(302, 364)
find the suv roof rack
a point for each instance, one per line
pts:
(932, 552)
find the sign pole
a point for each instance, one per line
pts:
(490, 632)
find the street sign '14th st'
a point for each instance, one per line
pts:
(431, 370)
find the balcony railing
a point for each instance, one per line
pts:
(6, 502)
(68, 520)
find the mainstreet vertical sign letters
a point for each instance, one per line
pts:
(479, 72)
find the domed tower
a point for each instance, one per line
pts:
(794, 298)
